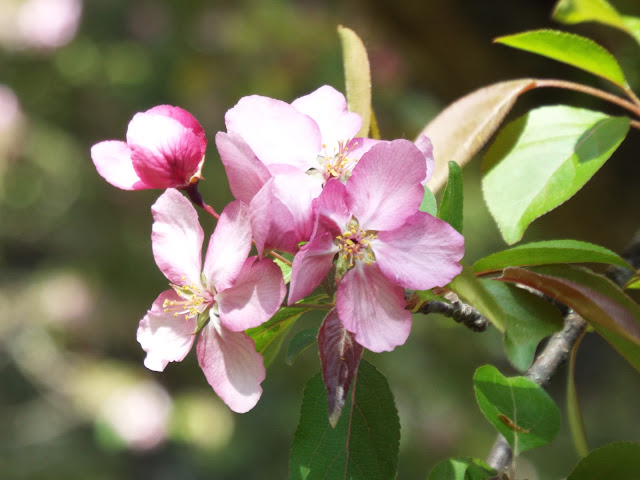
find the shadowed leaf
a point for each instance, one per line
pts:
(619, 461)
(461, 469)
(452, 199)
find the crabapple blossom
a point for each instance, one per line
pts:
(380, 242)
(165, 148)
(228, 295)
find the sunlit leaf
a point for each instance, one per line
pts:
(529, 319)
(461, 469)
(452, 199)
(429, 204)
(357, 76)
(547, 252)
(300, 342)
(619, 461)
(634, 283)
(598, 300)
(269, 336)
(339, 356)
(569, 48)
(364, 444)
(517, 407)
(466, 125)
(285, 268)
(542, 159)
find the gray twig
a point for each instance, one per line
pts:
(458, 311)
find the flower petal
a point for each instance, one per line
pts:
(275, 131)
(255, 296)
(177, 238)
(328, 108)
(421, 254)
(113, 161)
(331, 210)
(384, 189)
(245, 172)
(232, 366)
(310, 265)
(426, 147)
(228, 247)
(165, 337)
(164, 152)
(185, 118)
(372, 308)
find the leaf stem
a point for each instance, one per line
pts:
(277, 256)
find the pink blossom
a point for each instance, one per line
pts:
(380, 243)
(165, 148)
(231, 293)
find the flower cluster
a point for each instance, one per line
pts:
(346, 207)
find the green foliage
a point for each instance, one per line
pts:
(517, 407)
(619, 461)
(363, 445)
(464, 127)
(357, 77)
(300, 342)
(529, 319)
(578, 11)
(542, 159)
(429, 204)
(575, 50)
(452, 199)
(285, 268)
(548, 252)
(461, 469)
(603, 304)
(574, 414)
(270, 335)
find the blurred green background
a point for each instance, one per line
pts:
(76, 269)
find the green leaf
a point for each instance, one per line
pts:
(465, 126)
(569, 48)
(574, 415)
(269, 336)
(363, 446)
(286, 270)
(517, 407)
(542, 159)
(300, 342)
(603, 304)
(452, 199)
(429, 204)
(462, 469)
(601, 11)
(529, 320)
(547, 252)
(634, 283)
(619, 461)
(473, 291)
(357, 77)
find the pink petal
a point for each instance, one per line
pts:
(426, 147)
(422, 254)
(232, 366)
(331, 209)
(113, 161)
(245, 172)
(228, 247)
(328, 108)
(177, 238)
(275, 131)
(310, 265)
(255, 296)
(163, 336)
(185, 118)
(281, 213)
(164, 152)
(384, 189)
(372, 308)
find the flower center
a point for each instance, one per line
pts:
(194, 301)
(354, 244)
(337, 164)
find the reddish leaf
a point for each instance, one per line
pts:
(340, 356)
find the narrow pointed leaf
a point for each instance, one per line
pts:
(299, 343)
(357, 76)
(465, 126)
(529, 319)
(601, 11)
(548, 252)
(542, 159)
(569, 48)
(517, 407)
(462, 469)
(634, 283)
(619, 461)
(574, 414)
(269, 336)
(452, 199)
(339, 356)
(429, 204)
(364, 444)
(598, 300)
